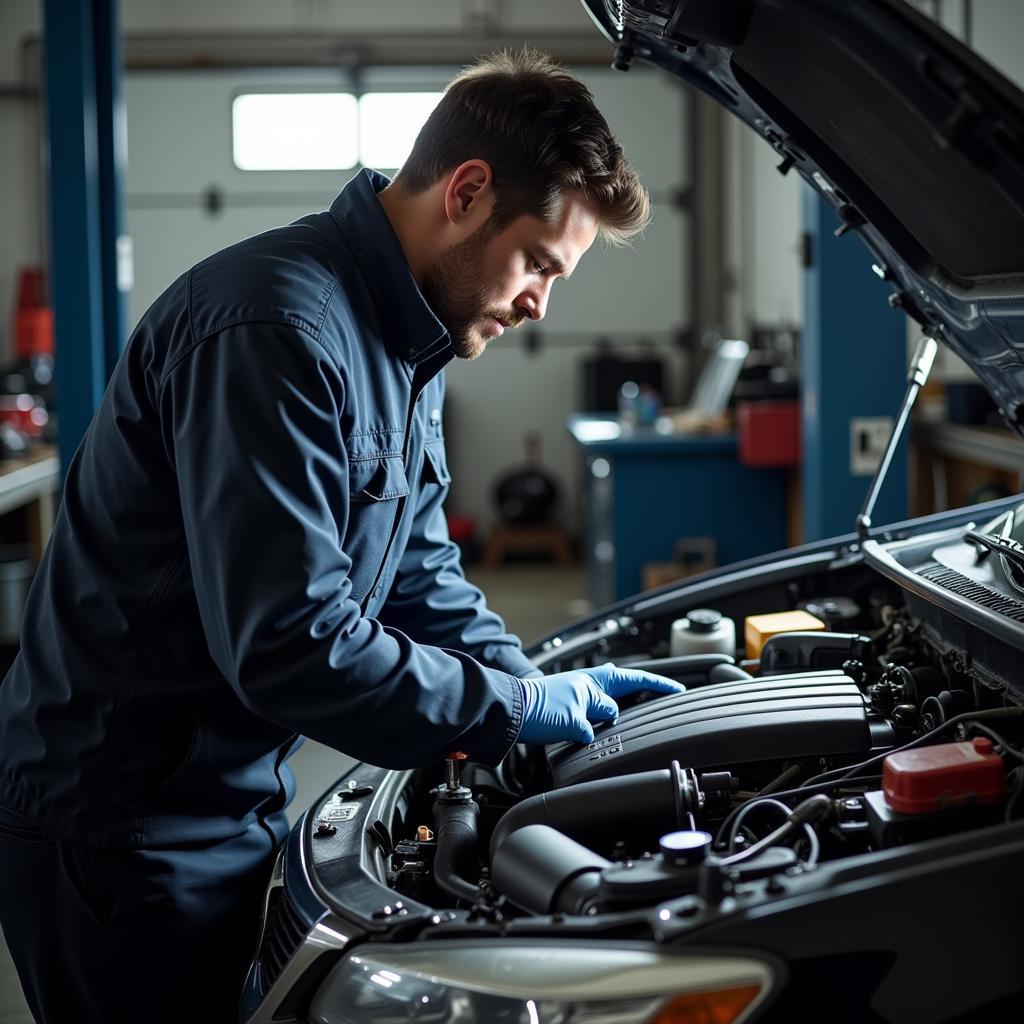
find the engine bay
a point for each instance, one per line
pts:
(899, 722)
(843, 773)
(764, 766)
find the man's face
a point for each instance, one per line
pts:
(490, 281)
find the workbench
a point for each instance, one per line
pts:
(31, 483)
(644, 491)
(956, 464)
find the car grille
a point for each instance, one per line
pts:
(950, 579)
(282, 936)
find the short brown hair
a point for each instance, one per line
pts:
(538, 128)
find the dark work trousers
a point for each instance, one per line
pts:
(144, 936)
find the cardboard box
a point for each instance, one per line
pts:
(690, 555)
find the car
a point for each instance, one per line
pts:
(830, 830)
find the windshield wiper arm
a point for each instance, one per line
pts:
(1005, 546)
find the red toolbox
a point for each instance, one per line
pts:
(769, 433)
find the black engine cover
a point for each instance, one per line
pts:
(725, 724)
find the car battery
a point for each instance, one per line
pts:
(936, 790)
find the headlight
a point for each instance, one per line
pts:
(506, 983)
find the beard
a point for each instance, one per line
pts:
(454, 290)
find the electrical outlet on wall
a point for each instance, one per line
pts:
(868, 437)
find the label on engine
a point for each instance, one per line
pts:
(605, 746)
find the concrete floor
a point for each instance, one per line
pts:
(532, 598)
(12, 1005)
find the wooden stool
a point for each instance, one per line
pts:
(550, 539)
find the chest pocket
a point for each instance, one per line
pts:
(377, 489)
(435, 465)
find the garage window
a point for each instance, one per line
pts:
(298, 131)
(389, 123)
(295, 131)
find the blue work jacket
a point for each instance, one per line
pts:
(251, 549)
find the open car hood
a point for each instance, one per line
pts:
(915, 140)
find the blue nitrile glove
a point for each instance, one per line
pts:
(562, 706)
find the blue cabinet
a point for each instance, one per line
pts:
(644, 491)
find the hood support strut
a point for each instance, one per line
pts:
(920, 367)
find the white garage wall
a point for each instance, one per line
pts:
(179, 146)
(761, 216)
(997, 32)
(22, 218)
(627, 295)
(762, 234)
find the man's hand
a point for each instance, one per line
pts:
(562, 706)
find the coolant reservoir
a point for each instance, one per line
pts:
(703, 631)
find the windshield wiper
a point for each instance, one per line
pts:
(1010, 549)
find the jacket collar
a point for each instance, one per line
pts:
(413, 331)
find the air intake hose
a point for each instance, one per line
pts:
(543, 871)
(664, 799)
(455, 822)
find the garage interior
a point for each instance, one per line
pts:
(614, 447)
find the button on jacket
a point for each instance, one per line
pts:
(250, 548)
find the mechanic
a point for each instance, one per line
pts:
(251, 549)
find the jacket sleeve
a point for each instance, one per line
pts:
(251, 421)
(432, 600)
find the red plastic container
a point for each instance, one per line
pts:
(33, 332)
(948, 775)
(30, 288)
(33, 319)
(769, 433)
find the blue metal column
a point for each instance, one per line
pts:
(853, 367)
(85, 171)
(112, 137)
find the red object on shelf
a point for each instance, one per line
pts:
(33, 319)
(33, 332)
(30, 288)
(948, 775)
(25, 413)
(769, 433)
